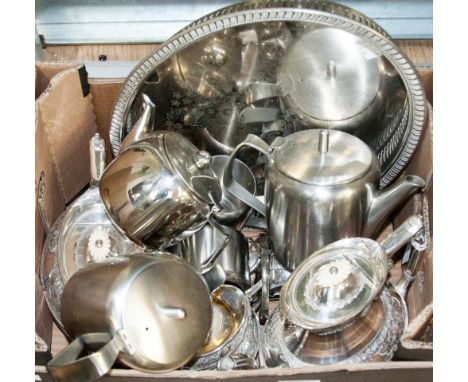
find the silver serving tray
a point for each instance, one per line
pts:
(202, 103)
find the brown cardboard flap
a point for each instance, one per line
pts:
(417, 327)
(64, 123)
(53, 198)
(104, 96)
(68, 120)
(45, 71)
(414, 343)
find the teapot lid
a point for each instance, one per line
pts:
(330, 75)
(334, 285)
(322, 157)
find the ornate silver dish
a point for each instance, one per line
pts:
(202, 79)
(374, 337)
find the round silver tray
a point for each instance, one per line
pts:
(173, 93)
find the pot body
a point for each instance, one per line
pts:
(135, 298)
(304, 217)
(147, 199)
(234, 258)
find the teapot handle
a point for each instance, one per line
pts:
(262, 90)
(231, 186)
(67, 367)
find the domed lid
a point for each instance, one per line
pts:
(334, 285)
(330, 75)
(322, 157)
(165, 311)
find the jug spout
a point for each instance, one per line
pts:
(383, 202)
(143, 126)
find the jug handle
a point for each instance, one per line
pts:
(233, 187)
(67, 367)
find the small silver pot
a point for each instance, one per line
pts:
(200, 248)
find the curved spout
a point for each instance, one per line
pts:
(383, 202)
(143, 126)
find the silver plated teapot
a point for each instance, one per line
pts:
(159, 189)
(320, 186)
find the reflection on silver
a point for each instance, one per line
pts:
(82, 235)
(234, 330)
(156, 309)
(339, 83)
(144, 126)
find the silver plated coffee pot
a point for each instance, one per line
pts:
(320, 186)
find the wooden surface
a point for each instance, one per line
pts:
(367, 372)
(419, 52)
(92, 52)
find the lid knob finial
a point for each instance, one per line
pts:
(323, 141)
(202, 160)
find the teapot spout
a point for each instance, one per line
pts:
(383, 202)
(143, 126)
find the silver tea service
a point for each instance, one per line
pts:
(316, 101)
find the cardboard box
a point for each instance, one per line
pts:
(69, 111)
